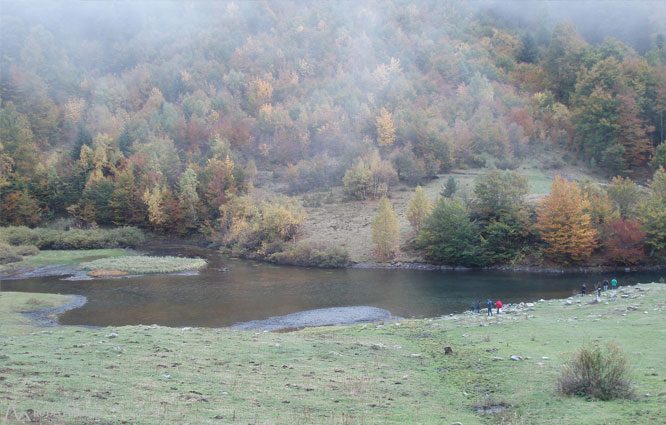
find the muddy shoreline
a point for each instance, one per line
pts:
(49, 317)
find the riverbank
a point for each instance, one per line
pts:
(517, 269)
(381, 373)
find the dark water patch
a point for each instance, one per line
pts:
(231, 291)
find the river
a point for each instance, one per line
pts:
(253, 291)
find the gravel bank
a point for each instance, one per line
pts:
(318, 317)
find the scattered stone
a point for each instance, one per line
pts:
(4, 356)
(415, 355)
(111, 335)
(457, 423)
(568, 302)
(497, 359)
(545, 358)
(515, 358)
(465, 335)
(539, 364)
(448, 350)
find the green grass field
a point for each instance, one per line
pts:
(64, 257)
(392, 373)
(141, 264)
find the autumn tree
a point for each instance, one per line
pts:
(385, 233)
(564, 225)
(384, 175)
(601, 207)
(155, 201)
(188, 196)
(418, 209)
(625, 193)
(281, 219)
(358, 181)
(625, 241)
(385, 128)
(632, 133)
(652, 213)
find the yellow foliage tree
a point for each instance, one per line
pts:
(565, 225)
(385, 128)
(154, 200)
(418, 209)
(385, 233)
(282, 218)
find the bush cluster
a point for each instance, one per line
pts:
(597, 372)
(308, 255)
(73, 239)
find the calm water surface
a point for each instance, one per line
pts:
(252, 291)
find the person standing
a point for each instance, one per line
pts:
(599, 290)
(472, 308)
(490, 308)
(478, 306)
(614, 284)
(583, 289)
(605, 285)
(499, 305)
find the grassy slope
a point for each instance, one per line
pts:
(348, 224)
(336, 375)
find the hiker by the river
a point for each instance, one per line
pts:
(583, 289)
(478, 306)
(490, 307)
(614, 284)
(499, 306)
(605, 285)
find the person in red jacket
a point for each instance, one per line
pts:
(499, 305)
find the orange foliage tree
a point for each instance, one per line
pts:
(564, 225)
(625, 241)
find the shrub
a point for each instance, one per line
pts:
(19, 235)
(507, 163)
(304, 254)
(25, 250)
(597, 372)
(8, 253)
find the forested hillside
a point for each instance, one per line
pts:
(161, 115)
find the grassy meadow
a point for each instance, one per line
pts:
(61, 257)
(141, 264)
(391, 373)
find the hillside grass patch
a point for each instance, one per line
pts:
(141, 264)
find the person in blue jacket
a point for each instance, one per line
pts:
(490, 308)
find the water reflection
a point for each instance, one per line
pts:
(252, 291)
